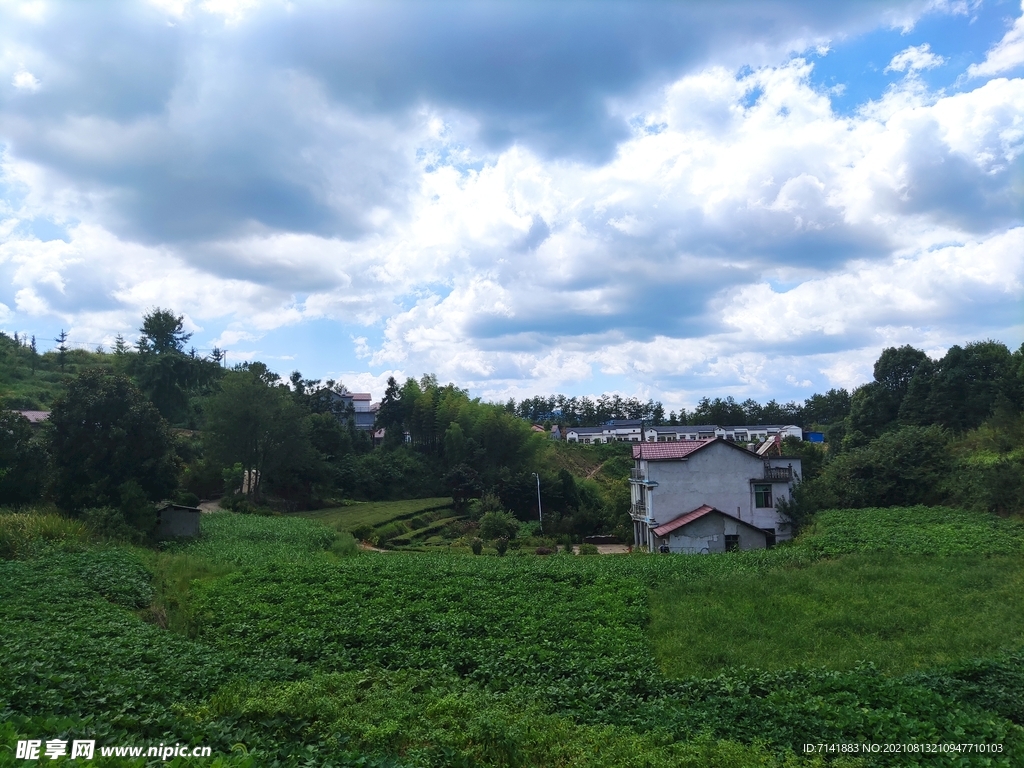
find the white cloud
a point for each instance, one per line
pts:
(25, 81)
(915, 58)
(1005, 55)
(745, 235)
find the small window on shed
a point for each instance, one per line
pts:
(732, 542)
(762, 496)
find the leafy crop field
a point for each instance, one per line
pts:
(913, 530)
(408, 659)
(248, 540)
(903, 614)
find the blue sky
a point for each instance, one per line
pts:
(658, 199)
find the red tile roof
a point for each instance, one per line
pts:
(680, 449)
(676, 449)
(679, 522)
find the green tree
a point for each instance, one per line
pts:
(23, 461)
(162, 369)
(253, 421)
(109, 445)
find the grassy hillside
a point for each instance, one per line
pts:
(33, 381)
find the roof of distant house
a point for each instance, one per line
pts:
(354, 395)
(685, 428)
(699, 512)
(623, 423)
(36, 417)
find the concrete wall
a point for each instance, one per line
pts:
(707, 535)
(177, 523)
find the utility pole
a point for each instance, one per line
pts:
(540, 512)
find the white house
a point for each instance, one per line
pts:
(675, 479)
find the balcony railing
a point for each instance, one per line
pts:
(778, 473)
(638, 476)
(638, 511)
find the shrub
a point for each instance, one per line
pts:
(109, 524)
(544, 551)
(494, 525)
(477, 546)
(344, 545)
(362, 532)
(502, 546)
(588, 549)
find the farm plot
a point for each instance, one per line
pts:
(564, 637)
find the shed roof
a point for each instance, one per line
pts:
(699, 512)
(35, 417)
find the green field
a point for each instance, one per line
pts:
(280, 643)
(375, 513)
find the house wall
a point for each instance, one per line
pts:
(177, 523)
(708, 534)
(718, 475)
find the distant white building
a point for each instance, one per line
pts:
(615, 431)
(628, 430)
(697, 496)
(743, 434)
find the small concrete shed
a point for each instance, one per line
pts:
(707, 530)
(176, 521)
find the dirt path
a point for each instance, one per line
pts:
(593, 473)
(210, 506)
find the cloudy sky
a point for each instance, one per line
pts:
(654, 198)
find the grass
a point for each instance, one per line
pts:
(901, 613)
(23, 534)
(375, 514)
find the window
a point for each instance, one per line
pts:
(763, 496)
(732, 542)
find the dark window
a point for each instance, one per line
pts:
(763, 496)
(732, 542)
(769, 540)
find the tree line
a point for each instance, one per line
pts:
(156, 420)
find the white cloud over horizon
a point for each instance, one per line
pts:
(740, 235)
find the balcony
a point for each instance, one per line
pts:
(637, 476)
(783, 474)
(638, 511)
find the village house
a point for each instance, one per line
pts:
(696, 496)
(363, 411)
